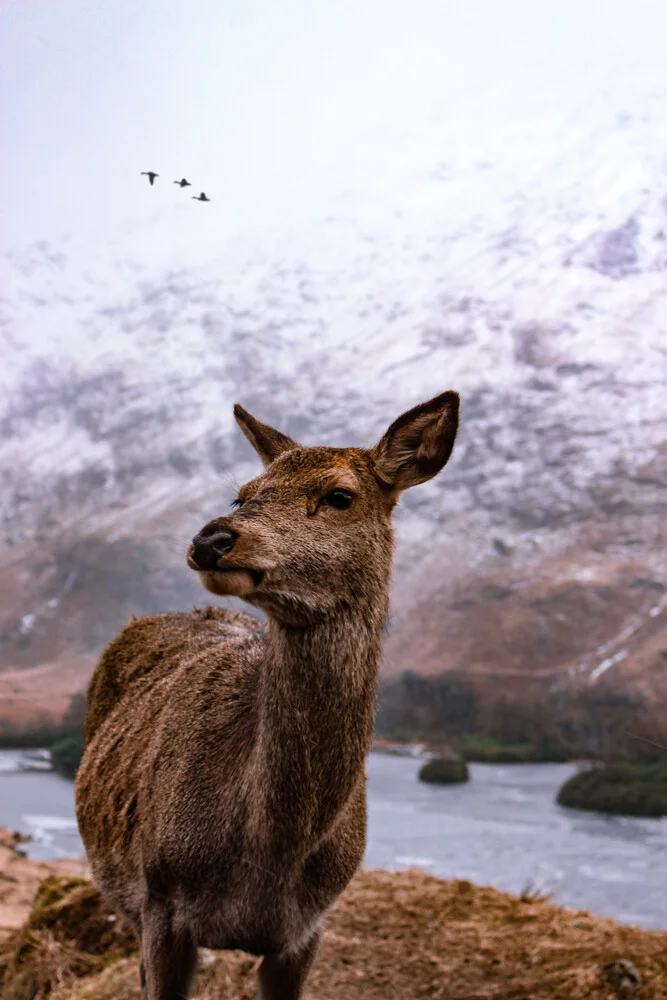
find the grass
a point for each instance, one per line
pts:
(389, 937)
(69, 934)
(627, 789)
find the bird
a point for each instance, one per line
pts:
(183, 183)
(200, 197)
(150, 174)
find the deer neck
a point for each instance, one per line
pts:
(315, 721)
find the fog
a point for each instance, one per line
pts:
(282, 112)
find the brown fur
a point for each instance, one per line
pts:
(221, 797)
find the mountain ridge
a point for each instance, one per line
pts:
(539, 297)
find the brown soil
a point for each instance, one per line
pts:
(400, 936)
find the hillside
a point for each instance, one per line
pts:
(390, 936)
(528, 275)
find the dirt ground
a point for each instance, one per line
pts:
(391, 936)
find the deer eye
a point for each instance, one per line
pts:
(340, 499)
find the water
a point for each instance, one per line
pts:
(503, 828)
(36, 801)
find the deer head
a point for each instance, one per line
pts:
(312, 534)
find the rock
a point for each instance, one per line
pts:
(623, 976)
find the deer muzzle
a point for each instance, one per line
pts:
(206, 551)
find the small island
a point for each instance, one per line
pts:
(444, 771)
(622, 789)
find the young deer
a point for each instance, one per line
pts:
(221, 797)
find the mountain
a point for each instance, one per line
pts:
(531, 280)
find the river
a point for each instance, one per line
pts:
(503, 828)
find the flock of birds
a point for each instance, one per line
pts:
(182, 183)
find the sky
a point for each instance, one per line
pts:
(280, 111)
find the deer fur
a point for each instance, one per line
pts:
(221, 797)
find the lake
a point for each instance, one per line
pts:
(503, 828)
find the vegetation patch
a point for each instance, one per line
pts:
(490, 724)
(391, 936)
(485, 750)
(66, 754)
(444, 771)
(69, 934)
(627, 789)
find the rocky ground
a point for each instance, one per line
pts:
(391, 936)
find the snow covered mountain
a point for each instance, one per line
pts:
(527, 272)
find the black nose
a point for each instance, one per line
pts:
(208, 550)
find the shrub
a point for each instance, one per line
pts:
(619, 789)
(14, 738)
(539, 723)
(426, 706)
(66, 754)
(444, 771)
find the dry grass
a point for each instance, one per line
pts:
(69, 935)
(20, 878)
(400, 936)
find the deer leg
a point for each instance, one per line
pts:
(168, 955)
(282, 977)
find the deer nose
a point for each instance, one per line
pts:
(207, 550)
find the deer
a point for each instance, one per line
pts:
(221, 797)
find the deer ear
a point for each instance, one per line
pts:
(267, 442)
(418, 444)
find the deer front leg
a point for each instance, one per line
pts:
(282, 977)
(168, 955)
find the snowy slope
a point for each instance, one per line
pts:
(524, 267)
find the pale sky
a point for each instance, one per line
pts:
(275, 108)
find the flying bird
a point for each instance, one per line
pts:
(150, 174)
(200, 197)
(183, 183)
